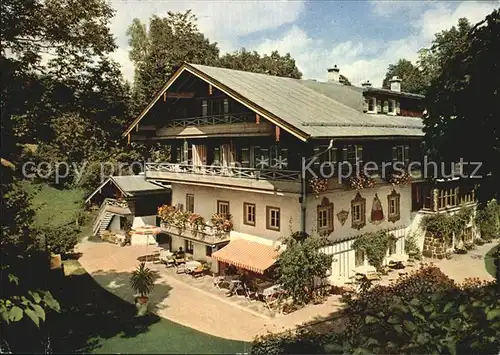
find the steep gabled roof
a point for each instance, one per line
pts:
(304, 109)
(129, 185)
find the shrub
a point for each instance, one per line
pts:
(302, 341)
(479, 241)
(60, 240)
(411, 247)
(375, 246)
(488, 220)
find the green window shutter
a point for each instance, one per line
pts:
(379, 106)
(359, 154)
(283, 158)
(316, 151)
(398, 108)
(178, 153)
(204, 108)
(386, 106)
(394, 153)
(216, 156)
(407, 155)
(333, 155)
(245, 157)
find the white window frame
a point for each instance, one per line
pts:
(269, 218)
(221, 206)
(357, 205)
(247, 206)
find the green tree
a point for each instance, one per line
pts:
(463, 105)
(412, 78)
(24, 267)
(273, 64)
(300, 264)
(344, 81)
(158, 50)
(75, 75)
(444, 46)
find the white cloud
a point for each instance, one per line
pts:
(221, 21)
(368, 60)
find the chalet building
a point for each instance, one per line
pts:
(266, 150)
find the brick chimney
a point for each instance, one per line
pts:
(395, 84)
(366, 84)
(334, 74)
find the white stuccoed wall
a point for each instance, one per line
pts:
(342, 201)
(144, 221)
(114, 225)
(205, 204)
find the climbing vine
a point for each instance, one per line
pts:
(374, 245)
(445, 226)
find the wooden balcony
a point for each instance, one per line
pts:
(209, 236)
(262, 179)
(215, 126)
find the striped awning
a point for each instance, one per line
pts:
(247, 255)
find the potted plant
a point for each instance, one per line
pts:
(181, 219)
(318, 185)
(197, 223)
(221, 223)
(167, 214)
(142, 282)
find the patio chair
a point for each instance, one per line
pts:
(181, 269)
(218, 281)
(198, 272)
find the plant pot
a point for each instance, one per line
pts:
(55, 261)
(141, 304)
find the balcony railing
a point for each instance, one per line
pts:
(209, 235)
(217, 170)
(211, 120)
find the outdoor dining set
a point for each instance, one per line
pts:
(259, 290)
(183, 266)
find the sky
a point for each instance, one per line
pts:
(361, 37)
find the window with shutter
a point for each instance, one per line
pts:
(325, 217)
(245, 157)
(358, 212)
(379, 106)
(254, 156)
(386, 106)
(226, 108)
(217, 158)
(317, 160)
(359, 155)
(178, 155)
(393, 206)
(406, 155)
(398, 108)
(204, 108)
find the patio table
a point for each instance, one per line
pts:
(191, 265)
(271, 290)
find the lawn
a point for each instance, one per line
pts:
(489, 261)
(54, 207)
(96, 321)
